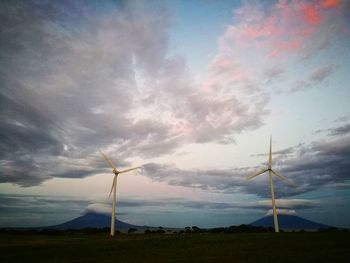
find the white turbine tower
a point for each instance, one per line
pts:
(269, 169)
(114, 189)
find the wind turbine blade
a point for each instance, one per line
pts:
(284, 178)
(128, 170)
(108, 160)
(270, 153)
(258, 173)
(113, 185)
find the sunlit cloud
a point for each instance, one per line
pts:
(282, 212)
(330, 3)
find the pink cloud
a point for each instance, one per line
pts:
(330, 3)
(225, 69)
(283, 46)
(182, 128)
(311, 14)
(265, 29)
(287, 28)
(222, 63)
(286, 32)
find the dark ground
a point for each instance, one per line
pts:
(245, 247)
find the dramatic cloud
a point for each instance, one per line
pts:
(80, 77)
(69, 84)
(264, 43)
(213, 180)
(320, 164)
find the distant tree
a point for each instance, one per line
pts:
(188, 229)
(196, 229)
(105, 229)
(330, 229)
(270, 229)
(160, 230)
(217, 230)
(132, 230)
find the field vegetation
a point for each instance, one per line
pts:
(98, 246)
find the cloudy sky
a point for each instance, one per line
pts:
(189, 90)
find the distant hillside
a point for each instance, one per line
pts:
(97, 220)
(94, 220)
(289, 222)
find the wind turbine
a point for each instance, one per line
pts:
(269, 169)
(114, 188)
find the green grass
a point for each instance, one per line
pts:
(255, 247)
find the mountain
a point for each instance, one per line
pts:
(97, 220)
(94, 220)
(289, 222)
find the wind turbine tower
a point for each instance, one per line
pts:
(272, 172)
(114, 188)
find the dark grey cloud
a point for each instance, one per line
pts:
(342, 119)
(66, 91)
(299, 204)
(339, 130)
(342, 130)
(203, 179)
(180, 204)
(220, 181)
(80, 76)
(321, 164)
(34, 210)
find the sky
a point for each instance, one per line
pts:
(190, 91)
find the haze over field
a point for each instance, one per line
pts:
(191, 90)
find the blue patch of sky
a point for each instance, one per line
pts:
(197, 26)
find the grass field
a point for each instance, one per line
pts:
(254, 247)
